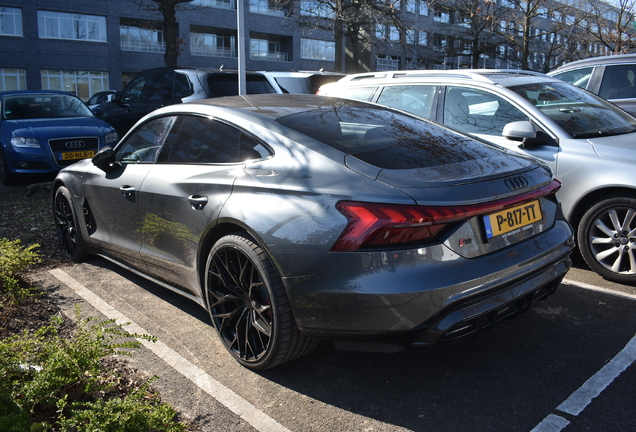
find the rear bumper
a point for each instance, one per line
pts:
(413, 299)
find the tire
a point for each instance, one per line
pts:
(607, 238)
(249, 307)
(6, 177)
(68, 226)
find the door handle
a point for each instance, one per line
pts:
(198, 201)
(127, 191)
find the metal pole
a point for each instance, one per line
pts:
(240, 28)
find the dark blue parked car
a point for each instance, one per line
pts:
(42, 131)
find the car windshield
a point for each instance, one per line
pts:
(579, 113)
(39, 106)
(385, 138)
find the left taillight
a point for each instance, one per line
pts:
(374, 225)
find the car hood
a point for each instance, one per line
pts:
(469, 181)
(46, 129)
(619, 147)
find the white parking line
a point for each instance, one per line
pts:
(255, 417)
(593, 387)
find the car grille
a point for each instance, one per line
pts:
(75, 144)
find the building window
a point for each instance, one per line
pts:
(422, 38)
(82, 84)
(10, 21)
(221, 4)
(441, 15)
(59, 25)
(266, 49)
(424, 7)
(440, 43)
(384, 63)
(394, 34)
(12, 79)
(315, 8)
(140, 39)
(410, 5)
(317, 49)
(380, 32)
(410, 36)
(213, 44)
(266, 7)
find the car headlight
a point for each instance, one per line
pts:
(25, 142)
(112, 137)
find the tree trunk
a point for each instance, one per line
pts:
(170, 35)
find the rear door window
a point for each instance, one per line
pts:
(416, 99)
(578, 77)
(227, 84)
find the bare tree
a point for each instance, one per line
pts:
(611, 24)
(350, 21)
(167, 9)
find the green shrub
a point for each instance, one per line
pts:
(49, 382)
(14, 259)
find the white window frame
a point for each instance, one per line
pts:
(140, 39)
(82, 83)
(207, 44)
(13, 75)
(13, 16)
(54, 25)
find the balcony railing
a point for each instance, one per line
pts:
(385, 64)
(213, 52)
(158, 47)
(270, 56)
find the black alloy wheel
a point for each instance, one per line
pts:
(67, 225)
(607, 238)
(248, 305)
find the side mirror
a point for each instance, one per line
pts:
(104, 158)
(124, 102)
(98, 112)
(519, 131)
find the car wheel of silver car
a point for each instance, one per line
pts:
(249, 306)
(67, 224)
(607, 238)
(6, 177)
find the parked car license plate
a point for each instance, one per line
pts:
(513, 218)
(76, 155)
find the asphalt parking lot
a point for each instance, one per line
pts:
(567, 364)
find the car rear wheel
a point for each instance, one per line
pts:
(249, 306)
(67, 224)
(607, 238)
(6, 177)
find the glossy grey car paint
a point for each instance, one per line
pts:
(162, 220)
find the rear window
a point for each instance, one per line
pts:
(227, 85)
(385, 138)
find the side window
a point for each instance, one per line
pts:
(578, 77)
(251, 149)
(416, 99)
(134, 90)
(182, 87)
(201, 140)
(478, 112)
(144, 144)
(159, 88)
(618, 82)
(358, 93)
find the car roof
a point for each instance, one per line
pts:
(275, 106)
(610, 59)
(502, 77)
(27, 92)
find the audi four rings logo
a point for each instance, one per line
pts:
(74, 144)
(516, 182)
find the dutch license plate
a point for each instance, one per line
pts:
(76, 155)
(511, 219)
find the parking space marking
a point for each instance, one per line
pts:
(593, 387)
(255, 417)
(597, 288)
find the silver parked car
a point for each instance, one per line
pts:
(588, 142)
(293, 218)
